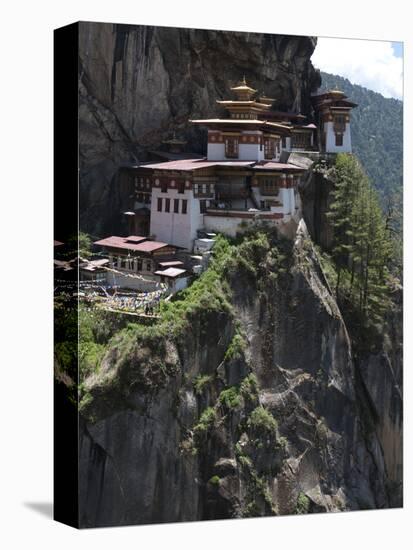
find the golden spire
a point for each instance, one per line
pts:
(243, 91)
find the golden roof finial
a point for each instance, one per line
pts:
(243, 88)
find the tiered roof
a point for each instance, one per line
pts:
(248, 113)
(244, 104)
(327, 99)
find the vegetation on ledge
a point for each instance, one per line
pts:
(362, 265)
(138, 356)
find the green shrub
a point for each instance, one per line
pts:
(249, 387)
(244, 460)
(206, 422)
(303, 504)
(251, 510)
(262, 422)
(215, 480)
(236, 348)
(230, 398)
(208, 293)
(200, 382)
(90, 357)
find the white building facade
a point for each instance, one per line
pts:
(247, 174)
(334, 111)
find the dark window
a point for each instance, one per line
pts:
(159, 204)
(301, 140)
(181, 186)
(167, 205)
(148, 265)
(184, 206)
(339, 140)
(164, 187)
(139, 266)
(284, 142)
(231, 147)
(176, 206)
(339, 123)
(202, 206)
(269, 186)
(269, 150)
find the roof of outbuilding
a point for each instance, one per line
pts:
(125, 243)
(171, 272)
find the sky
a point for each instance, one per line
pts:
(377, 65)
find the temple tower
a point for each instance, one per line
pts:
(333, 109)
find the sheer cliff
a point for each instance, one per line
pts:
(244, 400)
(247, 396)
(138, 84)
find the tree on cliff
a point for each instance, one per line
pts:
(362, 244)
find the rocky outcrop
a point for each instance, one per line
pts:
(137, 84)
(277, 425)
(316, 198)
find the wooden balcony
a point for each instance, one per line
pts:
(231, 194)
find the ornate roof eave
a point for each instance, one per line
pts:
(243, 88)
(275, 126)
(247, 123)
(251, 103)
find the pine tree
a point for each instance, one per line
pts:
(362, 245)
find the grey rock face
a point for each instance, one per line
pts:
(138, 84)
(138, 463)
(385, 393)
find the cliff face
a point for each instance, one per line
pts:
(152, 450)
(196, 427)
(379, 373)
(138, 84)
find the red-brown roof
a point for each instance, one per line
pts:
(194, 164)
(124, 243)
(185, 164)
(150, 246)
(233, 162)
(134, 239)
(189, 165)
(278, 166)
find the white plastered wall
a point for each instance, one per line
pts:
(175, 228)
(331, 146)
